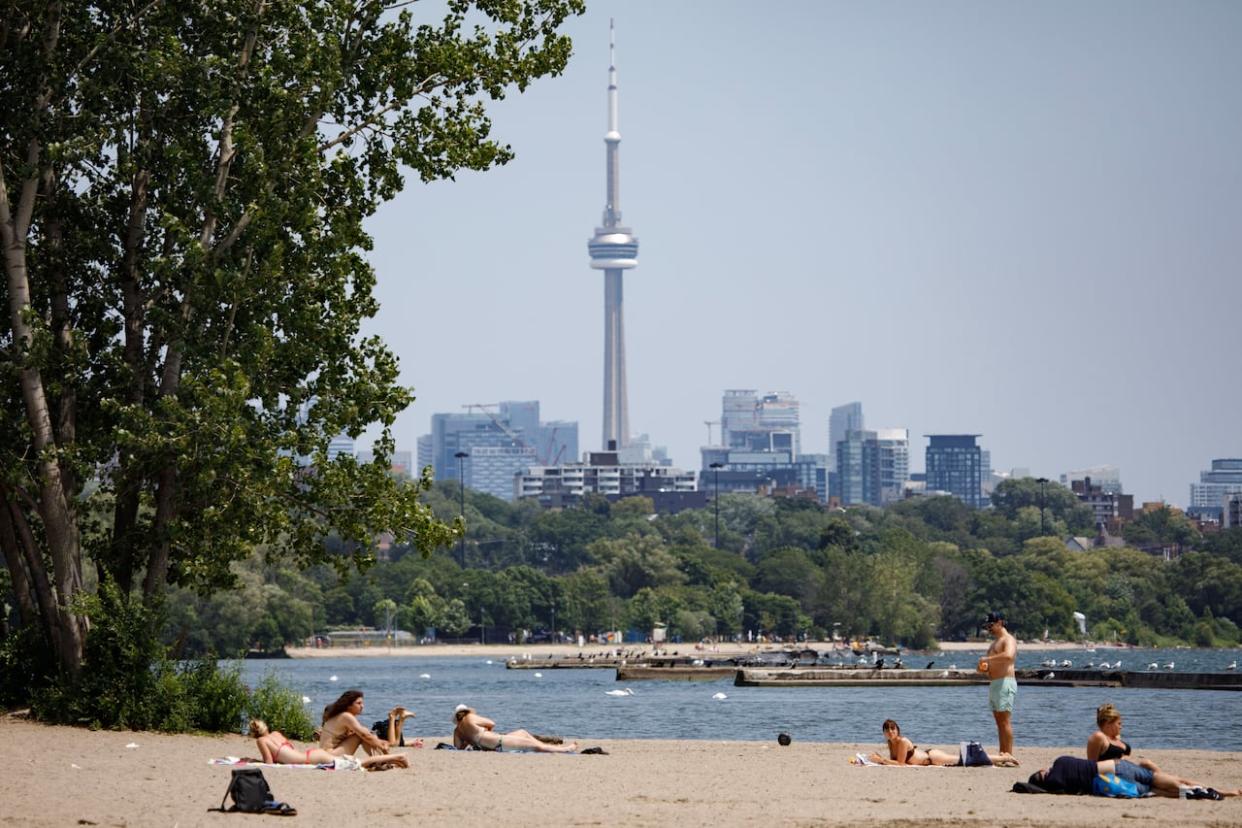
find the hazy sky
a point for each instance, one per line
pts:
(1021, 220)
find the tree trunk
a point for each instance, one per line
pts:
(59, 522)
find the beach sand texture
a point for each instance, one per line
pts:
(60, 776)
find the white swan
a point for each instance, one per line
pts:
(332, 678)
(619, 693)
(538, 675)
(306, 700)
(719, 696)
(424, 675)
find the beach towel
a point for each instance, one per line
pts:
(235, 761)
(861, 759)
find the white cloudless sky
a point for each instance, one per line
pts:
(1018, 220)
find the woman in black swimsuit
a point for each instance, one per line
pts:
(478, 732)
(902, 751)
(1106, 742)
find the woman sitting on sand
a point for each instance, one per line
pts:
(342, 734)
(475, 731)
(276, 749)
(1106, 742)
(902, 751)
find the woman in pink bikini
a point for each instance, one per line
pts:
(276, 749)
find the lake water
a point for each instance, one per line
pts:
(573, 703)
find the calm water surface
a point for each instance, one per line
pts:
(573, 702)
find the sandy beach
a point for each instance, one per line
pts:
(550, 650)
(59, 776)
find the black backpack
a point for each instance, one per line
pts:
(249, 790)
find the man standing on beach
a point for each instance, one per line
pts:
(998, 665)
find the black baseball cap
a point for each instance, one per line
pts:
(992, 617)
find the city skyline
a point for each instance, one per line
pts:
(1009, 220)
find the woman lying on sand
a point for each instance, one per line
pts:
(902, 751)
(342, 734)
(475, 731)
(276, 749)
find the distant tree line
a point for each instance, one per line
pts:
(916, 572)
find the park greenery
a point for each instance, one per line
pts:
(183, 192)
(919, 571)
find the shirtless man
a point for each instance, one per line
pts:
(998, 665)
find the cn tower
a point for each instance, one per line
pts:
(613, 249)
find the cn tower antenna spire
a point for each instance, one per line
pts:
(613, 249)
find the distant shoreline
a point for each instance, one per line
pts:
(545, 650)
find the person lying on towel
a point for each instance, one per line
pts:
(276, 749)
(1114, 777)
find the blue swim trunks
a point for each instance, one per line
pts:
(1001, 693)
(1141, 777)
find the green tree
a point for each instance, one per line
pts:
(183, 188)
(1162, 525)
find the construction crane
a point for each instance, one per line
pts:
(496, 421)
(516, 437)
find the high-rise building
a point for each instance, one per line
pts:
(955, 466)
(1231, 516)
(340, 444)
(497, 445)
(848, 417)
(873, 466)
(424, 454)
(737, 416)
(1107, 478)
(613, 249)
(760, 447)
(760, 422)
(1208, 496)
(889, 464)
(851, 474)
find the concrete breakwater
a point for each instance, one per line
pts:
(815, 677)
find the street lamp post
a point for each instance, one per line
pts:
(715, 467)
(1043, 481)
(461, 479)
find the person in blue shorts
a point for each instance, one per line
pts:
(1071, 775)
(998, 666)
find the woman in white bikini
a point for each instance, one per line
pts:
(477, 732)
